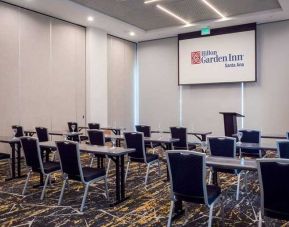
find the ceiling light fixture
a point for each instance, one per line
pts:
(90, 18)
(214, 8)
(132, 33)
(173, 14)
(151, 1)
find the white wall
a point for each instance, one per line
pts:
(158, 83)
(42, 70)
(121, 72)
(265, 102)
(96, 76)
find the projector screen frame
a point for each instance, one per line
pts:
(215, 32)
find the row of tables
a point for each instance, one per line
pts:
(117, 154)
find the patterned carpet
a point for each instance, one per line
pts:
(146, 206)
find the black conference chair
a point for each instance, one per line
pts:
(274, 186)
(43, 136)
(19, 130)
(146, 130)
(287, 135)
(35, 163)
(225, 147)
(136, 140)
(283, 149)
(93, 126)
(73, 127)
(187, 171)
(72, 169)
(181, 134)
(96, 137)
(251, 136)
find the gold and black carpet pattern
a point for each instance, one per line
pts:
(146, 206)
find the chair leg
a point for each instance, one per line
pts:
(91, 161)
(210, 176)
(159, 167)
(26, 182)
(10, 166)
(238, 187)
(45, 185)
(126, 172)
(222, 210)
(246, 181)
(107, 167)
(62, 191)
(147, 174)
(260, 220)
(170, 214)
(211, 214)
(106, 188)
(84, 197)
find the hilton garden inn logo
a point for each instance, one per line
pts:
(212, 57)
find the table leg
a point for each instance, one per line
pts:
(12, 162)
(122, 182)
(178, 209)
(18, 159)
(119, 180)
(204, 138)
(215, 177)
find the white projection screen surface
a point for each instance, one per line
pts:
(219, 58)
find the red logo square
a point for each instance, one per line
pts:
(196, 57)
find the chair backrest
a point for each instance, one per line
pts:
(93, 125)
(31, 150)
(135, 140)
(181, 134)
(283, 148)
(70, 158)
(274, 186)
(42, 134)
(145, 129)
(96, 137)
(70, 126)
(187, 171)
(250, 136)
(222, 146)
(19, 130)
(287, 135)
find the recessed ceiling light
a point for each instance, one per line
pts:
(151, 1)
(131, 33)
(214, 8)
(173, 14)
(90, 18)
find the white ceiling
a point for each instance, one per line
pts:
(159, 25)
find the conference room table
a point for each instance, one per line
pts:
(115, 130)
(53, 133)
(116, 154)
(167, 140)
(269, 136)
(201, 135)
(15, 148)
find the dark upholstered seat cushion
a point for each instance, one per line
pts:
(150, 158)
(92, 173)
(4, 156)
(51, 166)
(89, 174)
(212, 190)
